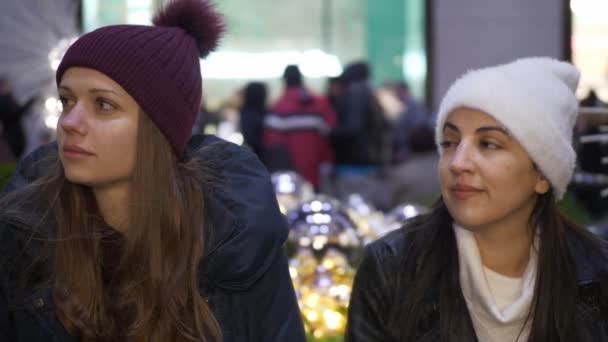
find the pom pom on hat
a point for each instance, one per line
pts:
(534, 99)
(197, 17)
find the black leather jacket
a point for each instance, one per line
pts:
(244, 275)
(373, 295)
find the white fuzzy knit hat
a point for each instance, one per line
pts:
(533, 98)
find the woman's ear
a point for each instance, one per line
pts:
(542, 185)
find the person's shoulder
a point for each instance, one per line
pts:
(248, 227)
(33, 166)
(241, 180)
(210, 144)
(394, 245)
(360, 87)
(234, 165)
(390, 245)
(321, 101)
(589, 252)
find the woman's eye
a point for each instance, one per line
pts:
(490, 145)
(65, 103)
(104, 105)
(447, 144)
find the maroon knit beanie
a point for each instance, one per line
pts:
(157, 65)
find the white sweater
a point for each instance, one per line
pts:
(498, 304)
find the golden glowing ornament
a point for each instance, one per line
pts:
(325, 243)
(290, 189)
(323, 287)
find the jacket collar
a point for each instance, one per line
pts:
(590, 266)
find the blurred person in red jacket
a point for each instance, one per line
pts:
(296, 130)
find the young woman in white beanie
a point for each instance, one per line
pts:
(495, 260)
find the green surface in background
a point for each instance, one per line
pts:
(385, 38)
(6, 170)
(395, 33)
(572, 208)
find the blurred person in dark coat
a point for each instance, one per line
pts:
(360, 137)
(10, 116)
(253, 111)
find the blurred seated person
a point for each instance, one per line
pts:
(411, 181)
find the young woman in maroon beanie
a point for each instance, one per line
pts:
(128, 229)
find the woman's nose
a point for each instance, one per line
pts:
(74, 120)
(462, 160)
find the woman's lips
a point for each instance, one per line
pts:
(75, 152)
(463, 192)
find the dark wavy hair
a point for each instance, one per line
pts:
(436, 267)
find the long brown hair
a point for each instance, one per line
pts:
(431, 255)
(153, 292)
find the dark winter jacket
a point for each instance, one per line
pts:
(362, 135)
(374, 294)
(244, 275)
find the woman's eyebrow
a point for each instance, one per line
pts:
(492, 128)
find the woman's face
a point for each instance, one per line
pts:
(97, 130)
(486, 176)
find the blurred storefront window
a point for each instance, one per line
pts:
(97, 13)
(321, 36)
(395, 42)
(590, 45)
